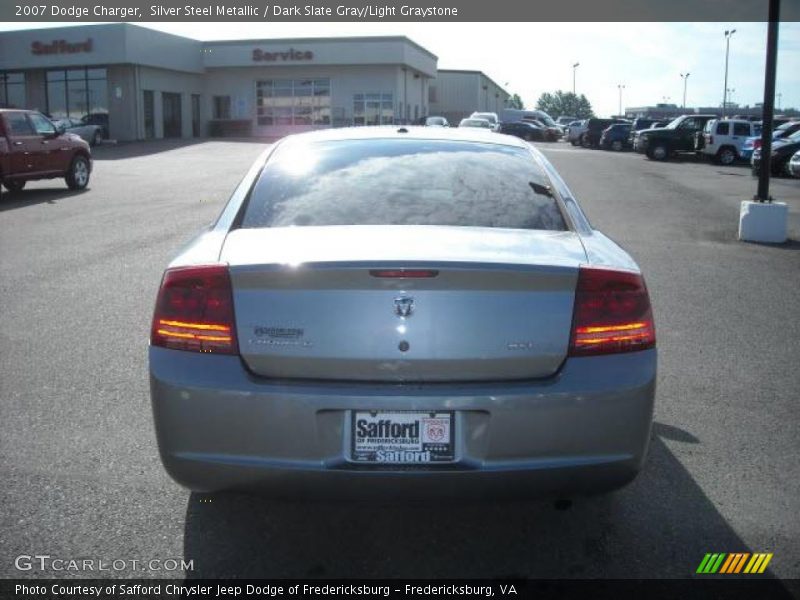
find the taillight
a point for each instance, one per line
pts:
(194, 311)
(612, 313)
(756, 144)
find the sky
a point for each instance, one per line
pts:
(532, 58)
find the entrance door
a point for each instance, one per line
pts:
(172, 114)
(149, 115)
(195, 115)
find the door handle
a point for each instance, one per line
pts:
(18, 143)
(45, 142)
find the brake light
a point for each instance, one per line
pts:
(757, 144)
(194, 311)
(404, 273)
(612, 313)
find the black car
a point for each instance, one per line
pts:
(661, 143)
(782, 153)
(642, 123)
(594, 129)
(615, 137)
(523, 129)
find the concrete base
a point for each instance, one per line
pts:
(763, 222)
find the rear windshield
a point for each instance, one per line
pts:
(402, 182)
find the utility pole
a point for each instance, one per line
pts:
(574, 68)
(728, 36)
(685, 77)
(769, 102)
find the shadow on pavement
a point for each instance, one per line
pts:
(660, 526)
(24, 198)
(146, 148)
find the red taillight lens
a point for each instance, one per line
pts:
(194, 311)
(612, 313)
(756, 144)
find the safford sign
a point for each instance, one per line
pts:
(61, 47)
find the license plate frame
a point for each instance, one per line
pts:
(374, 443)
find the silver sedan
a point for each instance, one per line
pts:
(402, 311)
(92, 134)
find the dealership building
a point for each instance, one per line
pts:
(141, 84)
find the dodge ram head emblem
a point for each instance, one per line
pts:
(403, 306)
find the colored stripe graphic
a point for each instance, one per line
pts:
(723, 563)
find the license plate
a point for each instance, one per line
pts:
(402, 437)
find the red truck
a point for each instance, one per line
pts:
(32, 147)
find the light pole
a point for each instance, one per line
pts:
(730, 95)
(685, 77)
(574, 68)
(779, 95)
(728, 36)
(620, 87)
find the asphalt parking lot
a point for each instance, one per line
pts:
(80, 473)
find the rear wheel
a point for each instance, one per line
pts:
(585, 141)
(14, 186)
(616, 145)
(726, 156)
(77, 177)
(658, 152)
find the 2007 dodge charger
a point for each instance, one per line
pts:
(403, 311)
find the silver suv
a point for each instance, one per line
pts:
(723, 139)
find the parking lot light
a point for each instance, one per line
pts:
(685, 77)
(728, 36)
(574, 68)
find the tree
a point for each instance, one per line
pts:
(516, 102)
(565, 103)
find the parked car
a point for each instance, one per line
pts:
(436, 122)
(563, 122)
(488, 116)
(594, 129)
(615, 137)
(575, 131)
(481, 123)
(723, 139)
(551, 133)
(639, 124)
(782, 152)
(785, 129)
(794, 164)
(32, 147)
(462, 331)
(679, 136)
(524, 130)
(89, 133)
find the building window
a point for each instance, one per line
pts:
(79, 94)
(293, 102)
(222, 107)
(373, 109)
(12, 90)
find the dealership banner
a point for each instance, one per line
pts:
(388, 10)
(152, 589)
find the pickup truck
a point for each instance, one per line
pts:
(660, 143)
(32, 147)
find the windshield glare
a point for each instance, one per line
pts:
(402, 182)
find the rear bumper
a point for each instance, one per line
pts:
(585, 430)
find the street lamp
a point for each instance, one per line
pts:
(730, 95)
(620, 87)
(574, 68)
(685, 77)
(779, 95)
(728, 36)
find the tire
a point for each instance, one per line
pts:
(77, 176)
(726, 156)
(585, 141)
(14, 186)
(658, 152)
(96, 139)
(616, 146)
(574, 142)
(528, 137)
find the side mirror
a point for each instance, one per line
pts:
(60, 129)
